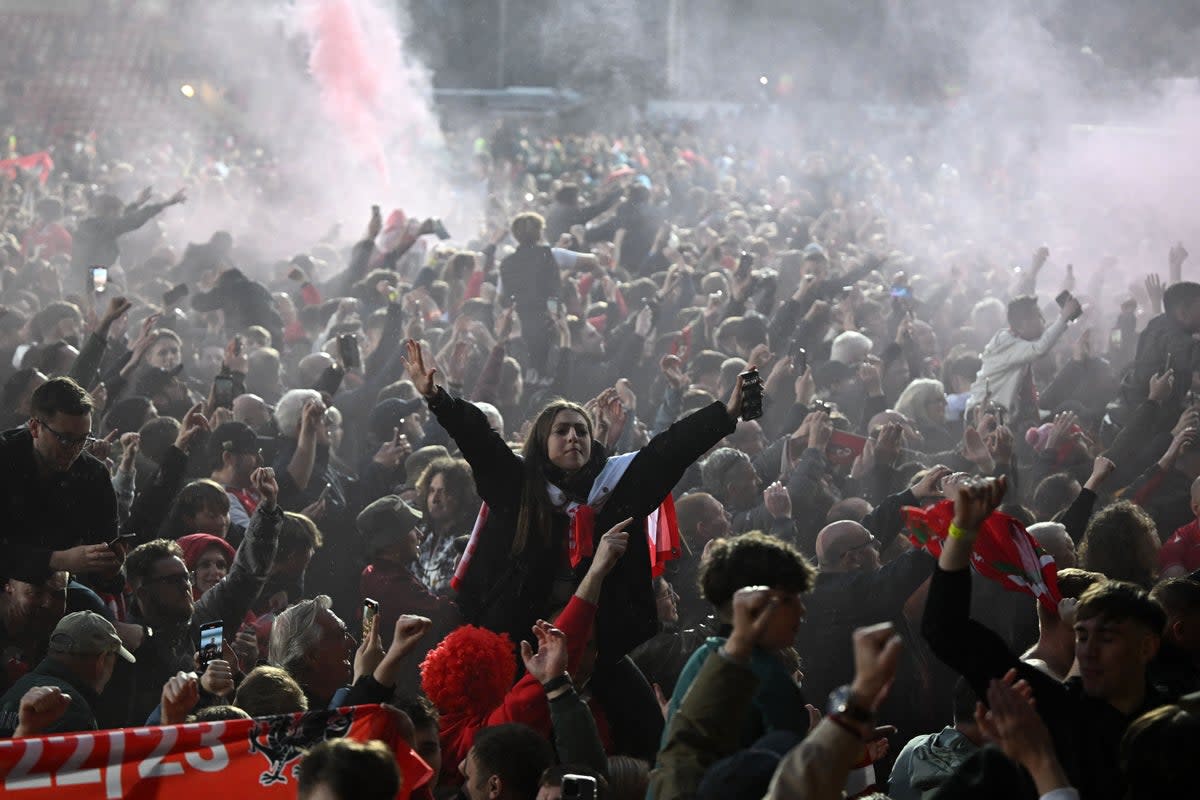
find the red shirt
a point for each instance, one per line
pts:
(1182, 549)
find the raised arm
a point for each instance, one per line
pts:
(496, 468)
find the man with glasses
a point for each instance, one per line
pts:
(56, 499)
(163, 604)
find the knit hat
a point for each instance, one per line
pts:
(385, 520)
(194, 545)
(86, 633)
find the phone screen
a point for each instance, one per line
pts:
(348, 347)
(99, 279)
(212, 638)
(370, 611)
(223, 391)
(552, 305)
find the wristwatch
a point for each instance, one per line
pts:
(843, 703)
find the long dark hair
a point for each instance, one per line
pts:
(534, 519)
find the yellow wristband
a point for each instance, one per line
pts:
(956, 532)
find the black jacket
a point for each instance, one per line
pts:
(1086, 731)
(40, 516)
(843, 601)
(245, 303)
(51, 672)
(508, 593)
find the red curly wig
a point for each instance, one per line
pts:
(469, 671)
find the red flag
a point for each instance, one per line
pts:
(1004, 551)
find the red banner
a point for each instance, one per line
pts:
(42, 161)
(235, 759)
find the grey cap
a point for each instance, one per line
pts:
(86, 633)
(386, 520)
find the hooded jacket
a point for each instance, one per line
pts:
(926, 762)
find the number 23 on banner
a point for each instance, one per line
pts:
(115, 759)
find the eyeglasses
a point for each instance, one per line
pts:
(68, 441)
(669, 594)
(871, 542)
(180, 579)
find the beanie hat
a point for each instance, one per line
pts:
(195, 544)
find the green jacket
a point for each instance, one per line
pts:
(778, 704)
(705, 728)
(51, 672)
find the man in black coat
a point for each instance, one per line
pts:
(57, 500)
(245, 302)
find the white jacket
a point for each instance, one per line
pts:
(1005, 360)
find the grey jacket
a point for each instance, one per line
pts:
(926, 762)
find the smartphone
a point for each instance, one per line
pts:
(439, 230)
(745, 264)
(238, 344)
(348, 348)
(554, 306)
(578, 787)
(99, 278)
(1062, 299)
(223, 391)
(370, 611)
(212, 638)
(175, 294)
(799, 357)
(752, 395)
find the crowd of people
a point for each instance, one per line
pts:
(519, 483)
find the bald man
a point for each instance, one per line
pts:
(1180, 555)
(854, 589)
(253, 411)
(1057, 542)
(701, 519)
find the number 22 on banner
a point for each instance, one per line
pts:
(83, 767)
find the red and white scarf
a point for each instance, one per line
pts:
(662, 528)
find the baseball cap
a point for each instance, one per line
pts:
(232, 437)
(385, 520)
(86, 633)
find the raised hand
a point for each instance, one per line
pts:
(931, 484)
(86, 559)
(40, 708)
(1161, 385)
(391, 454)
(265, 484)
(193, 422)
(421, 377)
(976, 500)
(778, 501)
(550, 660)
(613, 545)
(117, 308)
(1010, 722)
(876, 655)
(1155, 290)
(753, 608)
(672, 370)
(179, 696)
(1101, 469)
(218, 678)
(410, 629)
(102, 448)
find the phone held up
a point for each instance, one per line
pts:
(752, 395)
(370, 610)
(99, 278)
(578, 787)
(212, 639)
(348, 349)
(223, 391)
(1063, 298)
